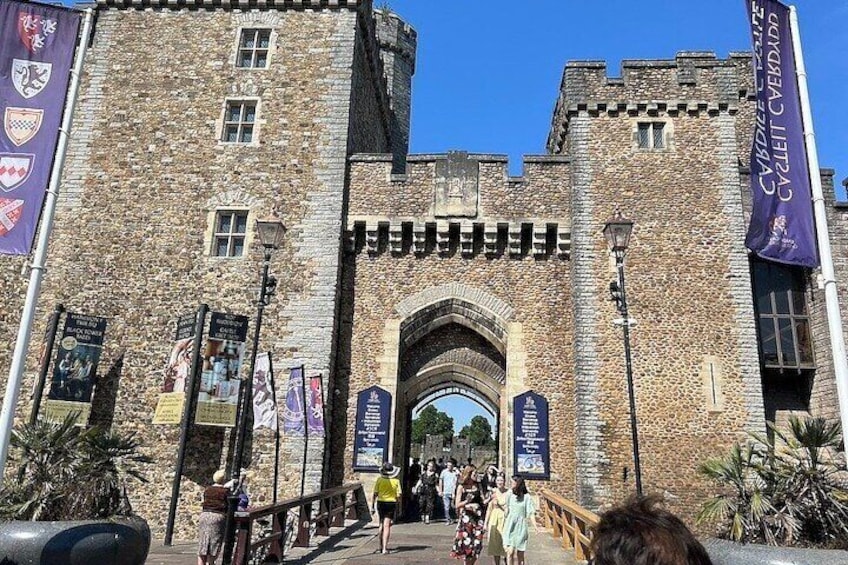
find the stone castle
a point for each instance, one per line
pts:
(422, 272)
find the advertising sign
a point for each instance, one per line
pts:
(75, 368)
(37, 45)
(371, 442)
(169, 409)
(217, 402)
(531, 445)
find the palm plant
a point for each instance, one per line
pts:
(69, 473)
(786, 489)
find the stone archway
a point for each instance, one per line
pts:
(452, 335)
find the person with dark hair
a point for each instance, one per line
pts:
(428, 484)
(643, 532)
(387, 492)
(468, 542)
(520, 512)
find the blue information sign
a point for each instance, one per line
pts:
(371, 443)
(531, 445)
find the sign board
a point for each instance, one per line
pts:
(217, 402)
(371, 442)
(169, 409)
(531, 443)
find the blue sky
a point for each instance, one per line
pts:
(488, 71)
(460, 409)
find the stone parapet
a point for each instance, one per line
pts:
(233, 4)
(692, 82)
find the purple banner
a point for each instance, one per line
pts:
(781, 226)
(37, 46)
(315, 415)
(293, 412)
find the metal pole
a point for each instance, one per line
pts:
(247, 385)
(637, 467)
(276, 429)
(305, 432)
(831, 298)
(45, 363)
(16, 371)
(185, 428)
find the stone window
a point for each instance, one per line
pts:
(239, 121)
(253, 48)
(782, 318)
(651, 135)
(230, 233)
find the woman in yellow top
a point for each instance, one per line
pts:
(384, 501)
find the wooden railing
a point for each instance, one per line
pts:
(256, 544)
(569, 521)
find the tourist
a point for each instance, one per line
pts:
(213, 516)
(495, 518)
(468, 542)
(427, 488)
(520, 512)
(447, 488)
(384, 501)
(413, 483)
(642, 532)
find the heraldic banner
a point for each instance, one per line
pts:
(220, 381)
(75, 369)
(294, 414)
(37, 44)
(169, 409)
(781, 227)
(264, 399)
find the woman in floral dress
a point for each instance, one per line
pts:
(468, 542)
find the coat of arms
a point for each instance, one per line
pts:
(10, 213)
(21, 124)
(36, 31)
(30, 77)
(14, 170)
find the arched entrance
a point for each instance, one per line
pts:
(452, 339)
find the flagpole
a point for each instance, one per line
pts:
(834, 318)
(13, 386)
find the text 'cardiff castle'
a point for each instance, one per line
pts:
(421, 274)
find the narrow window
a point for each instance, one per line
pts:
(239, 121)
(783, 321)
(651, 135)
(230, 231)
(253, 49)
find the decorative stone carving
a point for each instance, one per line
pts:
(456, 186)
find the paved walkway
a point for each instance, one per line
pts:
(356, 544)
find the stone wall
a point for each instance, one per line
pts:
(146, 172)
(694, 346)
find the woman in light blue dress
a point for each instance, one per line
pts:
(520, 513)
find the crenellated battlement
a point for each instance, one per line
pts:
(460, 202)
(693, 81)
(395, 35)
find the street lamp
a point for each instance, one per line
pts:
(617, 232)
(271, 231)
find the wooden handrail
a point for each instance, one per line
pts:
(335, 504)
(569, 521)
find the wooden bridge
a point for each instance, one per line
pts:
(335, 526)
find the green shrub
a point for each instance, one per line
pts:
(70, 473)
(786, 489)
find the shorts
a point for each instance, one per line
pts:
(386, 510)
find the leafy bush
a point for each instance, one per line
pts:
(69, 473)
(787, 489)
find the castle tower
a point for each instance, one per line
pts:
(398, 43)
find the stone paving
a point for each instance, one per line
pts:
(356, 544)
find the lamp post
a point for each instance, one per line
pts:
(617, 232)
(271, 231)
